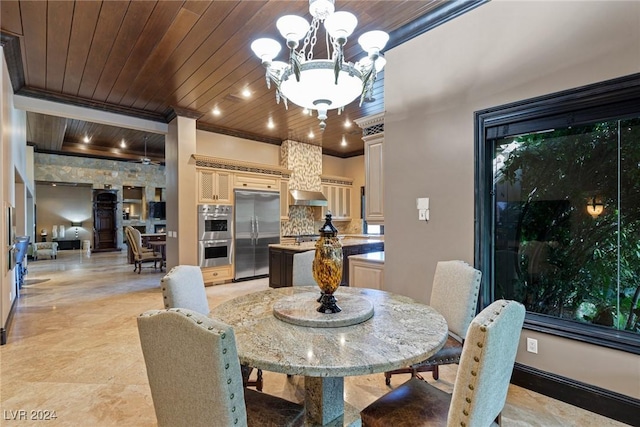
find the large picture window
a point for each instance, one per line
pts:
(558, 210)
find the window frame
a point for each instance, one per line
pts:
(609, 100)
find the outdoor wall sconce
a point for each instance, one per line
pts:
(595, 207)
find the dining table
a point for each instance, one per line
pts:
(159, 246)
(280, 330)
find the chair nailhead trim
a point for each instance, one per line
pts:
(463, 424)
(471, 387)
(465, 412)
(480, 344)
(229, 381)
(223, 335)
(226, 366)
(476, 358)
(468, 400)
(210, 328)
(199, 322)
(233, 409)
(232, 396)
(224, 351)
(235, 421)
(474, 373)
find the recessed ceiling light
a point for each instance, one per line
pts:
(344, 142)
(123, 144)
(54, 184)
(246, 93)
(347, 123)
(216, 111)
(311, 134)
(86, 139)
(270, 124)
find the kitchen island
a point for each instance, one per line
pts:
(281, 258)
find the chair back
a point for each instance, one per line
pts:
(456, 286)
(303, 270)
(132, 241)
(183, 287)
(193, 369)
(488, 355)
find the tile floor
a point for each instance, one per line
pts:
(73, 348)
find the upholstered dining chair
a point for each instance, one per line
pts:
(183, 287)
(196, 380)
(139, 255)
(302, 269)
(454, 294)
(138, 236)
(481, 385)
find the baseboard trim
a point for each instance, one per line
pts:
(4, 332)
(595, 399)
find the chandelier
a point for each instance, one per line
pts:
(321, 84)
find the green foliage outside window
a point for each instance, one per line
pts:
(551, 253)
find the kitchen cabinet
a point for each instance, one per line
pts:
(256, 182)
(348, 250)
(374, 180)
(214, 187)
(212, 275)
(367, 270)
(339, 201)
(281, 261)
(284, 200)
(281, 267)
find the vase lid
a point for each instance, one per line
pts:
(328, 229)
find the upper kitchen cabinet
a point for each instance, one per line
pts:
(338, 192)
(256, 182)
(284, 200)
(373, 137)
(214, 187)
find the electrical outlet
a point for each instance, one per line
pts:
(422, 214)
(532, 345)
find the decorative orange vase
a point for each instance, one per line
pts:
(327, 266)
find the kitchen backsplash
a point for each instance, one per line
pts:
(300, 222)
(305, 160)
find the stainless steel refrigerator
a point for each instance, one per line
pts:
(257, 225)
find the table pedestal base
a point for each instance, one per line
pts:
(324, 399)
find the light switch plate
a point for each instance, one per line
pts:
(422, 203)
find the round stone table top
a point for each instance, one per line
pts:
(301, 310)
(401, 332)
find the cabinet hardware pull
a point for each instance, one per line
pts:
(244, 185)
(215, 274)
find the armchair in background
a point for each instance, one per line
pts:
(139, 255)
(43, 249)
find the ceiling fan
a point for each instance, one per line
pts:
(145, 160)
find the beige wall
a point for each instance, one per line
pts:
(62, 205)
(230, 147)
(14, 184)
(501, 52)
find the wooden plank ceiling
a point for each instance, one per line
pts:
(147, 57)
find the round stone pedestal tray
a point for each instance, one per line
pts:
(300, 309)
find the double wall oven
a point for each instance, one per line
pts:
(215, 235)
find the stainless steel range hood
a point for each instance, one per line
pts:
(307, 198)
